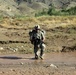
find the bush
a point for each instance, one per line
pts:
(53, 11)
(43, 12)
(72, 11)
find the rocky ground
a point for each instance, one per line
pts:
(25, 64)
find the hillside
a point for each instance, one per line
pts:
(29, 7)
(60, 34)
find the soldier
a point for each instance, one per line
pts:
(37, 38)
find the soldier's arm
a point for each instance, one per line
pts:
(43, 37)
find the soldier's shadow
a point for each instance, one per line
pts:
(16, 58)
(10, 57)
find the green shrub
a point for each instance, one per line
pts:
(72, 11)
(53, 11)
(41, 13)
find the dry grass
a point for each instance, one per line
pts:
(48, 21)
(59, 29)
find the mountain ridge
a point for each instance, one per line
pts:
(29, 7)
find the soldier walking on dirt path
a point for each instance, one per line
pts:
(37, 37)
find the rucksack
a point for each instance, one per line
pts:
(32, 37)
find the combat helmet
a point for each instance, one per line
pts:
(37, 27)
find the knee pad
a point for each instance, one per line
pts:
(43, 45)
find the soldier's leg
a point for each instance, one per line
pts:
(42, 46)
(35, 51)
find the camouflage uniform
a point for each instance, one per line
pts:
(37, 40)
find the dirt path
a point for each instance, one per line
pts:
(25, 64)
